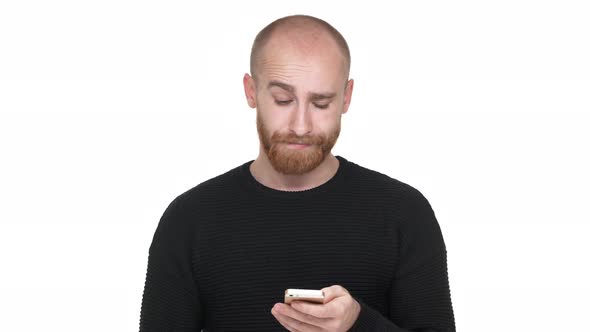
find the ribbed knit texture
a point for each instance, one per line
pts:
(225, 251)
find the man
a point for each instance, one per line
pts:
(298, 217)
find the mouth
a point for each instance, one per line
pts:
(298, 146)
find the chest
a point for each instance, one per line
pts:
(257, 254)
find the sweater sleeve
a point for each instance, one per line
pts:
(170, 298)
(419, 298)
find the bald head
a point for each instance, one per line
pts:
(302, 33)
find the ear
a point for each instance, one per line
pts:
(348, 95)
(250, 90)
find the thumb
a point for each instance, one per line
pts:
(333, 292)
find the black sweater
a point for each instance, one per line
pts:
(225, 251)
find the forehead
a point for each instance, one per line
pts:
(302, 53)
(318, 68)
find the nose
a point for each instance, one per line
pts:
(301, 121)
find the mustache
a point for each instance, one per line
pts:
(294, 139)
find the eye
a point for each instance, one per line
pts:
(283, 102)
(322, 106)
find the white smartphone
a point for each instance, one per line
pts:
(310, 295)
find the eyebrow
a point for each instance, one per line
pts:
(281, 85)
(312, 95)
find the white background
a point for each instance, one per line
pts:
(110, 109)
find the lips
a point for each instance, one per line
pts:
(298, 146)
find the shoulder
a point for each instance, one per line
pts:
(416, 221)
(390, 187)
(206, 193)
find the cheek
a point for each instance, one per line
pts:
(274, 116)
(327, 121)
(270, 121)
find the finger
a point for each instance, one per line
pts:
(295, 325)
(281, 321)
(321, 311)
(333, 292)
(289, 310)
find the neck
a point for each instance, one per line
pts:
(264, 173)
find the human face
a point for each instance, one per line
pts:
(292, 154)
(300, 99)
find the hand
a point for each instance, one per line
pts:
(338, 313)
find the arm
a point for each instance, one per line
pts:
(419, 297)
(171, 297)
